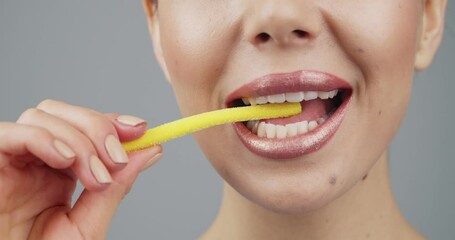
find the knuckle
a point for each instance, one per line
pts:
(39, 134)
(28, 115)
(97, 122)
(45, 103)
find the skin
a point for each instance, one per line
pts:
(37, 181)
(207, 49)
(210, 48)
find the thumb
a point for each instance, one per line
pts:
(94, 210)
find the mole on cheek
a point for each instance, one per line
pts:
(333, 180)
(360, 50)
(380, 112)
(364, 177)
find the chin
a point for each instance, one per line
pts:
(287, 199)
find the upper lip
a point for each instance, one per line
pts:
(276, 83)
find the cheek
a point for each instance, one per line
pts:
(381, 39)
(382, 46)
(195, 47)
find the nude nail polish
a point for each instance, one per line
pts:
(64, 149)
(99, 171)
(115, 150)
(130, 120)
(152, 161)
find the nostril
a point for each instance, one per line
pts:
(300, 33)
(279, 37)
(262, 37)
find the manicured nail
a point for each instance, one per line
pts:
(64, 149)
(152, 161)
(115, 150)
(99, 171)
(130, 120)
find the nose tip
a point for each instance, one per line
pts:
(284, 23)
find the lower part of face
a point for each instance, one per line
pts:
(211, 48)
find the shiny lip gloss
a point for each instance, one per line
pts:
(291, 147)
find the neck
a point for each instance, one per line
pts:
(368, 210)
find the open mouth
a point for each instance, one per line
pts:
(317, 107)
(323, 97)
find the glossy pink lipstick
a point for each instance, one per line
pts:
(299, 81)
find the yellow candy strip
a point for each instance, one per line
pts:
(201, 121)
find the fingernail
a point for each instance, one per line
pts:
(64, 149)
(99, 171)
(115, 150)
(152, 161)
(130, 120)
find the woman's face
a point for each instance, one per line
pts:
(217, 52)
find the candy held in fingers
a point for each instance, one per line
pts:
(201, 121)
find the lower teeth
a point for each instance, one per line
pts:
(269, 130)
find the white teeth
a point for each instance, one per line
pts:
(312, 125)
(321, 120)
(291, 130)
(294, 97)
(277, 98)
(302, 127)
(323, 95)
(261, 129)
(255, 127)
(270, 130)
(281, 131)
(261, 100)
(290, 97)
(310, 95)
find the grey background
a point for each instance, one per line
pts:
(98, 54)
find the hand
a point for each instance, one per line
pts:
(47, 151)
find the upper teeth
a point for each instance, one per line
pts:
(290, 97)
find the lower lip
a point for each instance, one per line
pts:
(293, 147)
